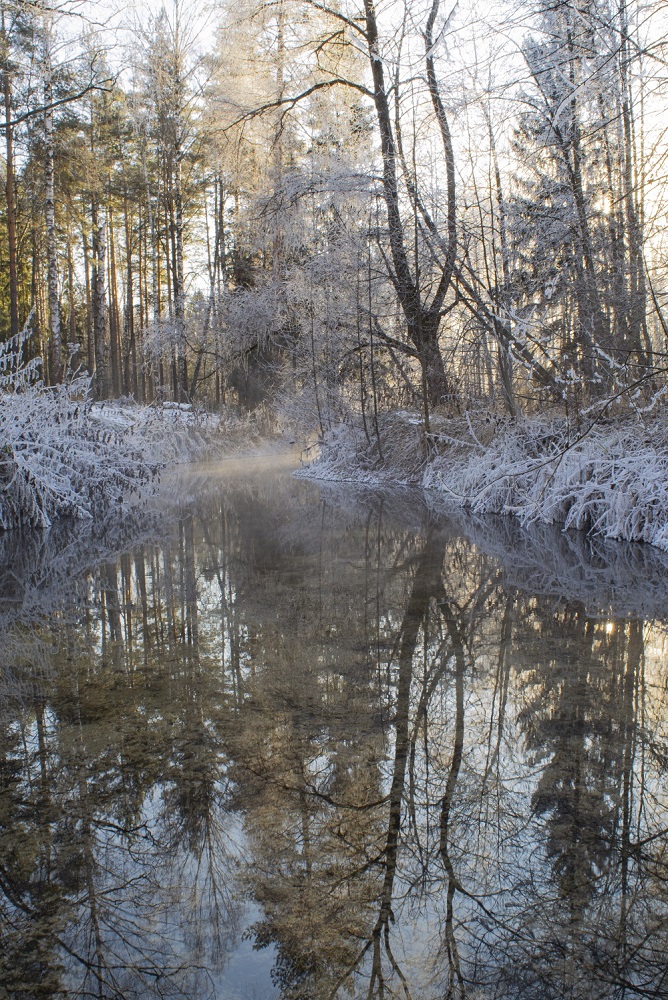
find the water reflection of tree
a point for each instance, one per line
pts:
(308, 747)
(446, 787)
(119, 792)
(583, 722)
(572, 723)
(423, 647)
(501, 921)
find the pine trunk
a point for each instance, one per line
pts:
(99, 301)
(56, 350)
(9, 182)
(179, 290)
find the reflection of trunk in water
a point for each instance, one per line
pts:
(190, 589)
(229, 622)
(460, 622)
(584, 724)
(631, 682)
(426, 585)
(582, 740)
(456, 635)
(140, 576)
(112, 648)
(126, 590)
(501, 684)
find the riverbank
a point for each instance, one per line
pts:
(62, 455)
(609, 478)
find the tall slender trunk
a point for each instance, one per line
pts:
(277, 262)
(179, 290)
(505, 357)
(99, 299)
(172, 280)
(220, 285)
(114, 318)
(617, 265)
(142, 317)
(72, 316)
(35, 300)
(130, 366)
(9, 180)
(154, 299)
(90, 338)
(56, 350)
(446, 138)
(637, 289)
(593, 325)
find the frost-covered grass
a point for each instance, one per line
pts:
(610, 479)
(61, 454)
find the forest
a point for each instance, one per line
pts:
(428, 239)
(296, 296)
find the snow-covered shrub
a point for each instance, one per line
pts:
(344, 453)
(58, 456)
(165, 433)
(392, 454)
(610, 479)
(61, 454)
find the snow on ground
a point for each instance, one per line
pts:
(609, 478)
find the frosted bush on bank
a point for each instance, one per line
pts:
(57, 458)
(609, 479)
(63, 455)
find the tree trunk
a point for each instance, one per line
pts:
(56, 350)
(424, 334)
(99, 300)
(154, 298)
(90, 338)
(9, 181)
(179, 290)
(72, 316)
(114, 317)
(130, 367)
(637, 289)
(422, 321)
(593, 325)
(505, 357)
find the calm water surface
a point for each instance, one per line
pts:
(288, 741)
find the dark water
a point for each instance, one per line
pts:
(284, 740)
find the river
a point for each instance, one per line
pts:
(282, 739)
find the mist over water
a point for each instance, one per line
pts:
(282, 739)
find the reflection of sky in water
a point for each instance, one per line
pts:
(321, 736)
(247, 975)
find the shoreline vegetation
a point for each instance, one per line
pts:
(434, 237)
(63, 454)
(608, 477)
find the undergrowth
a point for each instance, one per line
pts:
(608, 478)
(64, 455)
